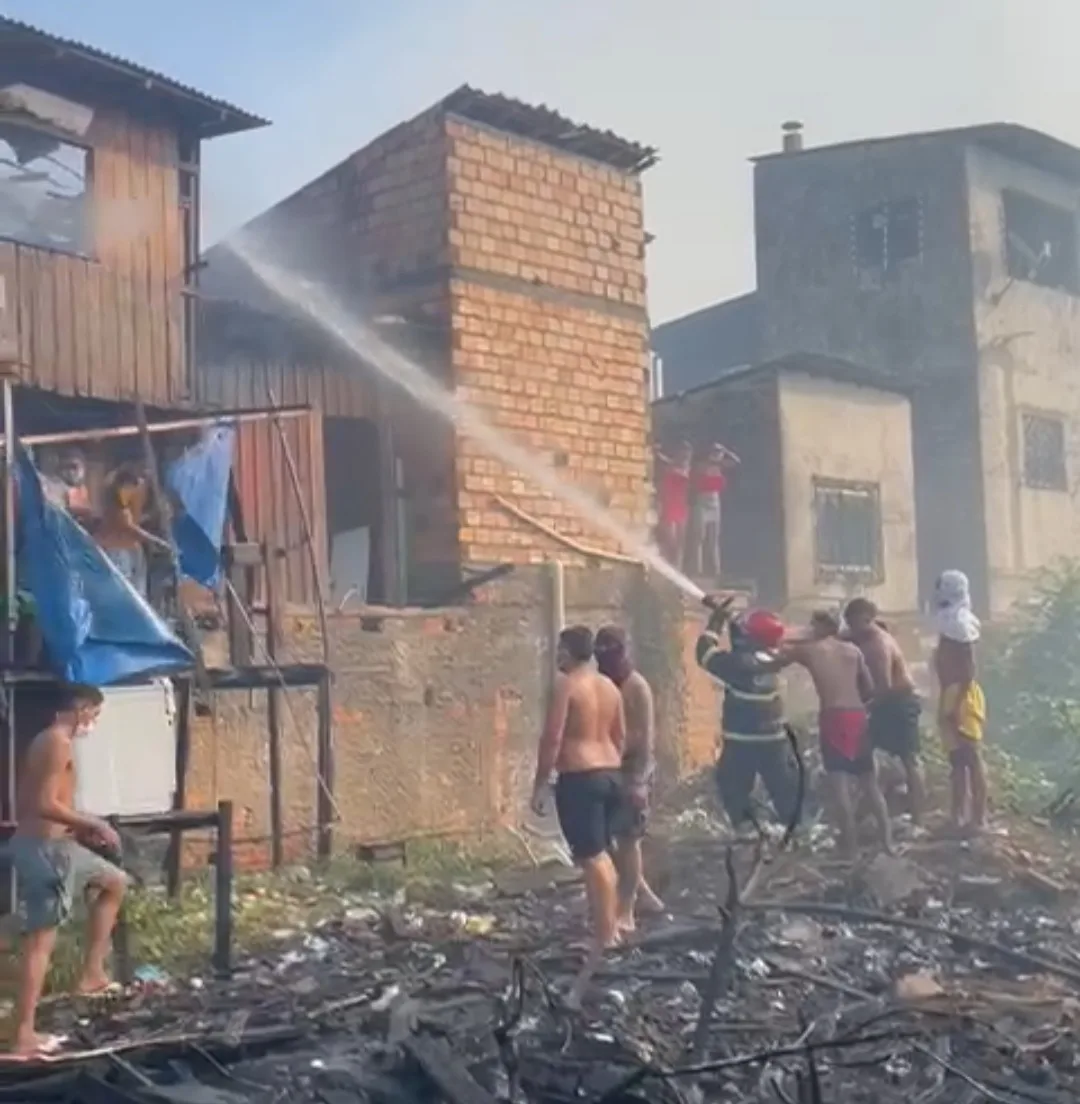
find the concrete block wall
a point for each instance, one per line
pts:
(436, 713)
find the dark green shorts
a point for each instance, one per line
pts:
(50, 872)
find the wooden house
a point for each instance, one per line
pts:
(99, 218)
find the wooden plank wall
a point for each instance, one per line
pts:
(269, 501)
(109, 326)
(243, 356)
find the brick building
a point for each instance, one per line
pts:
(503, 247)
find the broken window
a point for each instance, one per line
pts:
(888, 233)
(847, 528)
(1040, 242)
(1044, 452)
(44, 198)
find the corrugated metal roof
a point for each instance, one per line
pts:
(1011, 140)
(213, 116)
(548, 127)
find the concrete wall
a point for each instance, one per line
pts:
(915, 321)
(1029, 342)
(437, 712)
(832, 430)
(550, 335)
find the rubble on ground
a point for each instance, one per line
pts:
(948, 972)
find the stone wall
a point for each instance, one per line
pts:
(436, 713)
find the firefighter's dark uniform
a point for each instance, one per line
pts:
(754, 730)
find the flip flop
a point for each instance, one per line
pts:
(49, 1046)
(106, 992)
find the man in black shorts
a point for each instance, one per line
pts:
(638, 767)
(583, 740)
(895, 708)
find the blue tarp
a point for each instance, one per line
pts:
(200, 482)
(97, 628)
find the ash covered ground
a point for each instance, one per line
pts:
(949, 972)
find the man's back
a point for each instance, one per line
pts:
(838, 670)
(593, 734)
(885, 662)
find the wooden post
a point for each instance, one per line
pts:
(175, 857)
(391, 551)
(223, 883)
(324, 793)
(9, 370)
(241, 560)
(273, 706)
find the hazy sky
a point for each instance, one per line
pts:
(707, 81)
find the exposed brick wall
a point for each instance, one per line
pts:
(567, 383)
(524, 266)
(526, 211)
(436, 714)
(371, 221)
(556, 355)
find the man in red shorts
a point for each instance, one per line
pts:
(843, 686)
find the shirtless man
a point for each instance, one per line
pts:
(583, 741)
(52, 864)
(638, 766)
(843, 685)
(895, 707)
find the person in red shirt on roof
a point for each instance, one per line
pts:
(708, 481)
(674, 502)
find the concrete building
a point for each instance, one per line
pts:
(951, 261)
(502, 246)
(812, 516)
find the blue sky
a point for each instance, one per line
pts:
(708, 81)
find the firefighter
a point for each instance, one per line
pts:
(755, 739)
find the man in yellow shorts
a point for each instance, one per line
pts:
(962, 706)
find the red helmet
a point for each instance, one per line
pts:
(762, 627)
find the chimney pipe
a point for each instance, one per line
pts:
(792, 142)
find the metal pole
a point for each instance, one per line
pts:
(223, 881)
(108, 433)
(558, 614)
(11, 619)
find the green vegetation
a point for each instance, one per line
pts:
(177, 935)
(1030, 669)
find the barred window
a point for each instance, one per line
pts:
(1044, 452)
(847, 528)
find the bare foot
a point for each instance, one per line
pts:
(30, 1043)
(625, 925)
(650, 905)
(95, 985)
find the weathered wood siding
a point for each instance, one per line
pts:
(245, 358)
(109, 326)
(269, 502)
